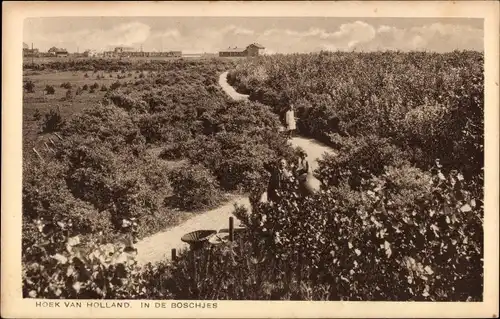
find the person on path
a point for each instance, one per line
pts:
(290, 121)
(279, 175)
(302, 166)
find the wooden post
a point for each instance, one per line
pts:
(174, 254)
(231, 228)
(195, 272)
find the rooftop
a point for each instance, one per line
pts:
(258, 45)
(235, 49)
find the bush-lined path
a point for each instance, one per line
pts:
(158, 247)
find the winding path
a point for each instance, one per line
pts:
(158, 247)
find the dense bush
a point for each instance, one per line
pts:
(194, 187)
(49, 89)
(359, 158)
(427, 102)
(69, 95)
(382, 227)
(66, 85)
(53, 121)
(115, 85)
(400, 237)
(29, 86)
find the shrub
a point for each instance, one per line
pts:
(94, 86)
(37, 115)
(49, 89)
(104, 88)
(69, 95)
(359, 158)
(66, 85)
(93, 271)
(398, 238)
(29, 86)
(194, 188)
(53, 122)
(85, 87)
(115, 85)
(127, 102)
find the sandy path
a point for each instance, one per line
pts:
(158, 246)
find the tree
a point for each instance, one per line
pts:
(29, 86)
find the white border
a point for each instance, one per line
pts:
(15, 12)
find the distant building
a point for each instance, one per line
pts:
(58, 52)
(253, 49)
(62, 53)
(53, 51)
(90, 53)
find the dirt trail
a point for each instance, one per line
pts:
(158, 246)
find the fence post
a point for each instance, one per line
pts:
(174, 254)
(195, 272)
(231, 228)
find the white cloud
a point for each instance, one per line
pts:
(356, 35)
(126, 34)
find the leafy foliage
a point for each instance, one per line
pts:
(49, 89)
(194, 188)
(53, 121)
(29, 86)
(424, 102)
(390, 223)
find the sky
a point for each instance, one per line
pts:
(277, 35)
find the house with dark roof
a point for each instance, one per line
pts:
(61, 53)
(253, 49)
(58, 52)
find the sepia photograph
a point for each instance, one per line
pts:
(181, 161)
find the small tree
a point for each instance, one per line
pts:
(85, 87)
(115, 85)
(69, 95)
(104, 88)
(66, 85)
(50, 89)
(53, 121)
(29, 86)
(37, 115)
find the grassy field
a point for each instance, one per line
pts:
(42, 103)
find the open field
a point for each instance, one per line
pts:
(40, 60)
(41, 102)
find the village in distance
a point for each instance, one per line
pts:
(253, 49)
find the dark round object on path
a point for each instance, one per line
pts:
(196, 238)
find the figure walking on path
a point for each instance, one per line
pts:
(279, 175)
(290, 121)
(302, 166)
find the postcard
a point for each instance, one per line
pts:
(250, 159)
